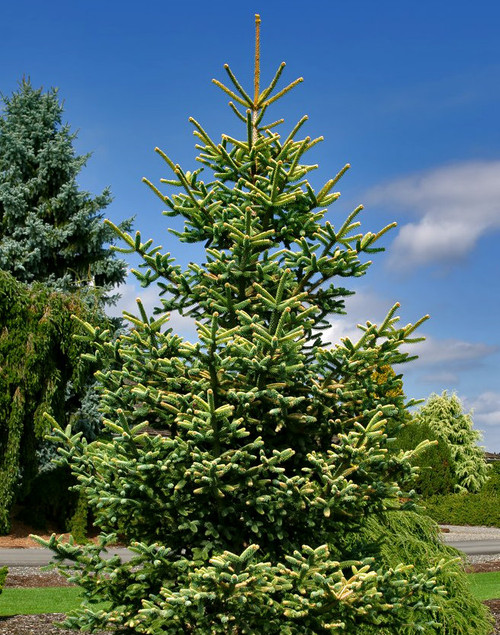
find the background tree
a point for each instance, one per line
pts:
(50, 230)
(445, 417)
(52, 236)
(39, 358)
(248, 516)
(435, 466)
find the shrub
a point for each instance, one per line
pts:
(78, 524)
(465, 509)
(3, 575)
(50, 500)
(414, 539)
(492, 485)
(436, 474)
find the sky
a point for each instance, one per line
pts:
(407, 93)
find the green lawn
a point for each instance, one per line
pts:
(39, 600)
(485, 586)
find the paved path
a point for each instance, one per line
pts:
(469, 540)
(459, 533)
(476, 547)
(40, 557)
(473, 540)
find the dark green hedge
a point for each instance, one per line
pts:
(465, 509)
(482, 508)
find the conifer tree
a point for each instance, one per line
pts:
(247, 513)
(50, 230)
(445, 416)
(39, 358)
(52, 237)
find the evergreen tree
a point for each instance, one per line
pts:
(39, 357)
(50, 230)
(247, 514)
(445, 416)
(52, 237)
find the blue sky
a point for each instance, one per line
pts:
(408, 93)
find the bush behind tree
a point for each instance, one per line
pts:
(39, 356)
(445, 416)
(465, 509)
(436, 474)
(482, 508)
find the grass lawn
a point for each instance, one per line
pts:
(485, 586)
(39, 600)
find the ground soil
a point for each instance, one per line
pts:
(494, 606)
(19, 536)
(44, 624)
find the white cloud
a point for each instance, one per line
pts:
(129, 293)
(486, 409)
(364, 305)
(451, 353)
(181, 324)
(441, 358)
(455, 205)
(442, 377)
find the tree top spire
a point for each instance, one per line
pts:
(256, 74)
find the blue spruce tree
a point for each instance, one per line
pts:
(50, 230)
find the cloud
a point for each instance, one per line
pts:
(129, 292)
(440, 359)
(364, 305)
(443, 377)
(181, 324)
(486, 409)
(454, 206)
(450, 353)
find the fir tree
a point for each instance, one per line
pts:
(247, 515)
(50, 230)
(445, 416)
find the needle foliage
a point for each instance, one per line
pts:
(243, 514)
(39, 357)
(50, 229)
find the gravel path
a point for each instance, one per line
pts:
(464, 532)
